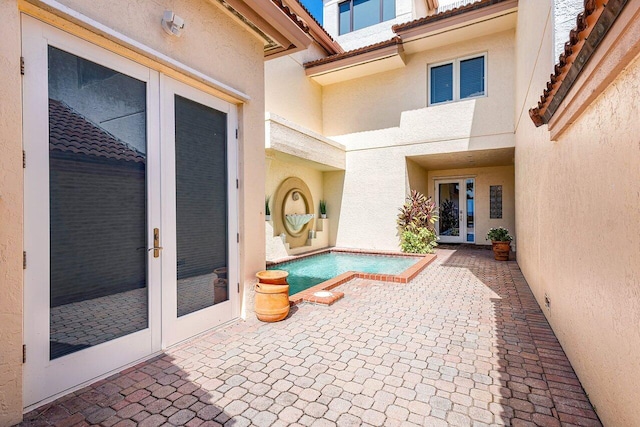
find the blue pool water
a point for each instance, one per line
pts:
(310, 271)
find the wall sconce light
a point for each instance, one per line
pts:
(172, 24)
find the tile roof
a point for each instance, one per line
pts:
(315, 20)
(370, 48)
(577, 52)
(70, 132)
(299, 22)
(446, 14)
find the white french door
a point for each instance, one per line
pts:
(455, 199)
(199, 204)
(130, 202)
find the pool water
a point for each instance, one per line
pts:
(310, 271)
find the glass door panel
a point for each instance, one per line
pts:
(449, 211)
(198, 216)
(471, 209)
(97, 200)
(201, 206)
(91, 196)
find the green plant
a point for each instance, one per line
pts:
(267, 211)
(499, 234)
(323, 207)
(418, 212)
(421, 241)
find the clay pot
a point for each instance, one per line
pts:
(501, 250)
(272, 295)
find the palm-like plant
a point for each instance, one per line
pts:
(419, 211)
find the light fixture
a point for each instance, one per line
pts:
(172, 24)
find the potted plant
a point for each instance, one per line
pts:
(267, 211)
(323, 209)
(501, 243)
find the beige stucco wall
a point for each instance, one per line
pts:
(484, 178)
(577, 223)
(209, 30)
(10, 217)
(289, 93)
(394, 103)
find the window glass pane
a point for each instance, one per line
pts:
(442, 83)
(97, 204)
(472, 77)
(365, 13)
(470, 210)
(345, 17)
(388, 9)
(449, 221)
(201, 205)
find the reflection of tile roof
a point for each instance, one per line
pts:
(392, 42)
(70, 132)
(446, 14)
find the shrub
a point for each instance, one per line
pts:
(418, 212)
(420, 241)
(499, 234)
(267, 211)
(323, 207)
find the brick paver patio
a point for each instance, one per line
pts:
(465, 343)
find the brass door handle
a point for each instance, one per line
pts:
(156, 243)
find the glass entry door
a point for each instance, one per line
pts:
(92, 201)
(199, 191)
(456, 202)
(130, 212)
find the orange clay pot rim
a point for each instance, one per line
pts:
(272, 274)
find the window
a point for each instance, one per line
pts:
(357, 14)
(460, 79)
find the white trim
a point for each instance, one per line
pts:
(456, 78)
(66, 12)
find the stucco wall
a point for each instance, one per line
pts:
(285, 80)
(10, 217)
(484, 178)
(577, 223)
(399, 108)
(234, 57)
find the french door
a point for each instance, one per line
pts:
(456, 210)
(128, 212)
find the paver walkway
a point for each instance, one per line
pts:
(464, 344)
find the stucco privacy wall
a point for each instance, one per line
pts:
(209, 30)
(484, 178)
(287, 82)
(577, 222)
(10, 217)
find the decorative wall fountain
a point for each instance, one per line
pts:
(293, 211)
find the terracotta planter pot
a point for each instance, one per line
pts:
(272, 296)
(501, 250)
(272, 302)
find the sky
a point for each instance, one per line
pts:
(315, 7)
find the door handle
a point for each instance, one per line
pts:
(156, 243)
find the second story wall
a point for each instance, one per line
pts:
(395, 103)
(289, 93)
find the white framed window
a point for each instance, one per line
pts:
(458, 79)
(357, 14)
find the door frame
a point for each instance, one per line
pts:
(462, 214)
(44, 378)
(176, 329)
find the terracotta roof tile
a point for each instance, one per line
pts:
(70, 132)
(299, 22)
(381, 45)
(314, 19)
(444, 15)
(585, 22)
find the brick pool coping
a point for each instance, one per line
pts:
(307, 295)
